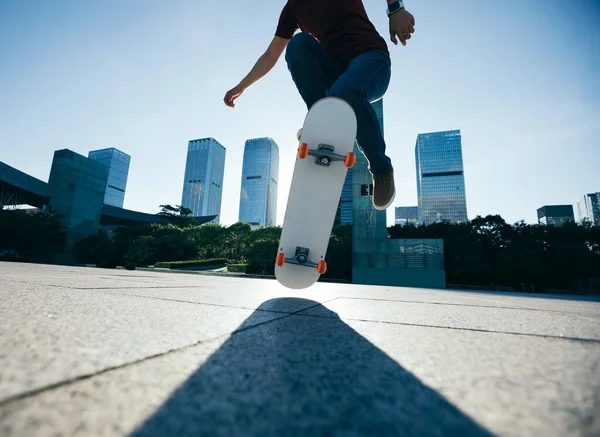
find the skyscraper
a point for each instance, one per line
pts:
(589, 208)
(407, 214)
(203, 181)
(260, 173)
(440, 177)
(118, 170)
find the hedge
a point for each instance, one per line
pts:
(192, 263)
(236, 268)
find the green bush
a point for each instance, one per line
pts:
(236, 268)
(192, 263)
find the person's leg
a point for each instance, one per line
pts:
(365, 81)
(313, 70)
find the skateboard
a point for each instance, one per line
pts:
(324, 155)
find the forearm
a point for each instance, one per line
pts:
(263, 65)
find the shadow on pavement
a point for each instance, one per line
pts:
(305, 376)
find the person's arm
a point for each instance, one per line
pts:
(263, 65)
(402, 23)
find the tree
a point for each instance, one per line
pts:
(174, 211)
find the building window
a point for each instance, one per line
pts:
(366, 190)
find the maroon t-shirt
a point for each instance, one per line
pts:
(342, 26)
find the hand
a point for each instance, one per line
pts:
(233, 94)
(402, 24)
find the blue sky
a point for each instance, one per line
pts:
(518, 78)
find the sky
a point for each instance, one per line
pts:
(520, 79)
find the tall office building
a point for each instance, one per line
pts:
(406, 215)
(440, 177)
(260, 173)
(203, 181)
(377, 259)
(589, 208)
(118, 170)
(555, 215)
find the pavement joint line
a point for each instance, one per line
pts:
(107, 288)
(487, 331)
(59, 384)
(218, 304)
(460, 304)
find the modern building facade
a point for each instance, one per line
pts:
(406, 215)
(76, 190)
(440, 177)
(260, 175)
(555, 215)
(377, 259)
(118, 171)
(203, 179)
(588, 208)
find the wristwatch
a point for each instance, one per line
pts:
(394, 7)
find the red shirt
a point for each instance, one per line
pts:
(342, 26)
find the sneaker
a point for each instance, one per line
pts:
(384, 190)
(299, 134)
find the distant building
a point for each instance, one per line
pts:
(203, 180)
(260, 174)
(555, 215)
(440, 177)
(406, 215)
(118, 170)
(76, 190)
(589, 208)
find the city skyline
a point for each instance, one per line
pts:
(260, 173)
(56, 95)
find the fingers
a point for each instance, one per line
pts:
(229, 98)
(402, 37)
(393, 37)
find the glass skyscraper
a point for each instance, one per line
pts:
(260, 173)
(118, 170)
(407, 214)
(589, 208)
(203, 181)
(440, 177)
(377, 259)
(555, 215)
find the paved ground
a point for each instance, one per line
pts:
(89, 352)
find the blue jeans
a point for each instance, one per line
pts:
(365, 80)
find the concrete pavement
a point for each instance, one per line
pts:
(91, 352)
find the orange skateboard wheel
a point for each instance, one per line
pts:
(321, 267)
(280, 260)
(303, 151)
(350, 160)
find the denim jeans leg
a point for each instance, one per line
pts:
(365, 81)
(313, 70)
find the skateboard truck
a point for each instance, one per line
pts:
(324, 155)
(300, 258)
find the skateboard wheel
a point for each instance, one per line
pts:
(280, 260)
(321, 267)
(350, 160)
(303, 151)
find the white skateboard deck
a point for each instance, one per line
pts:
(315, 191)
